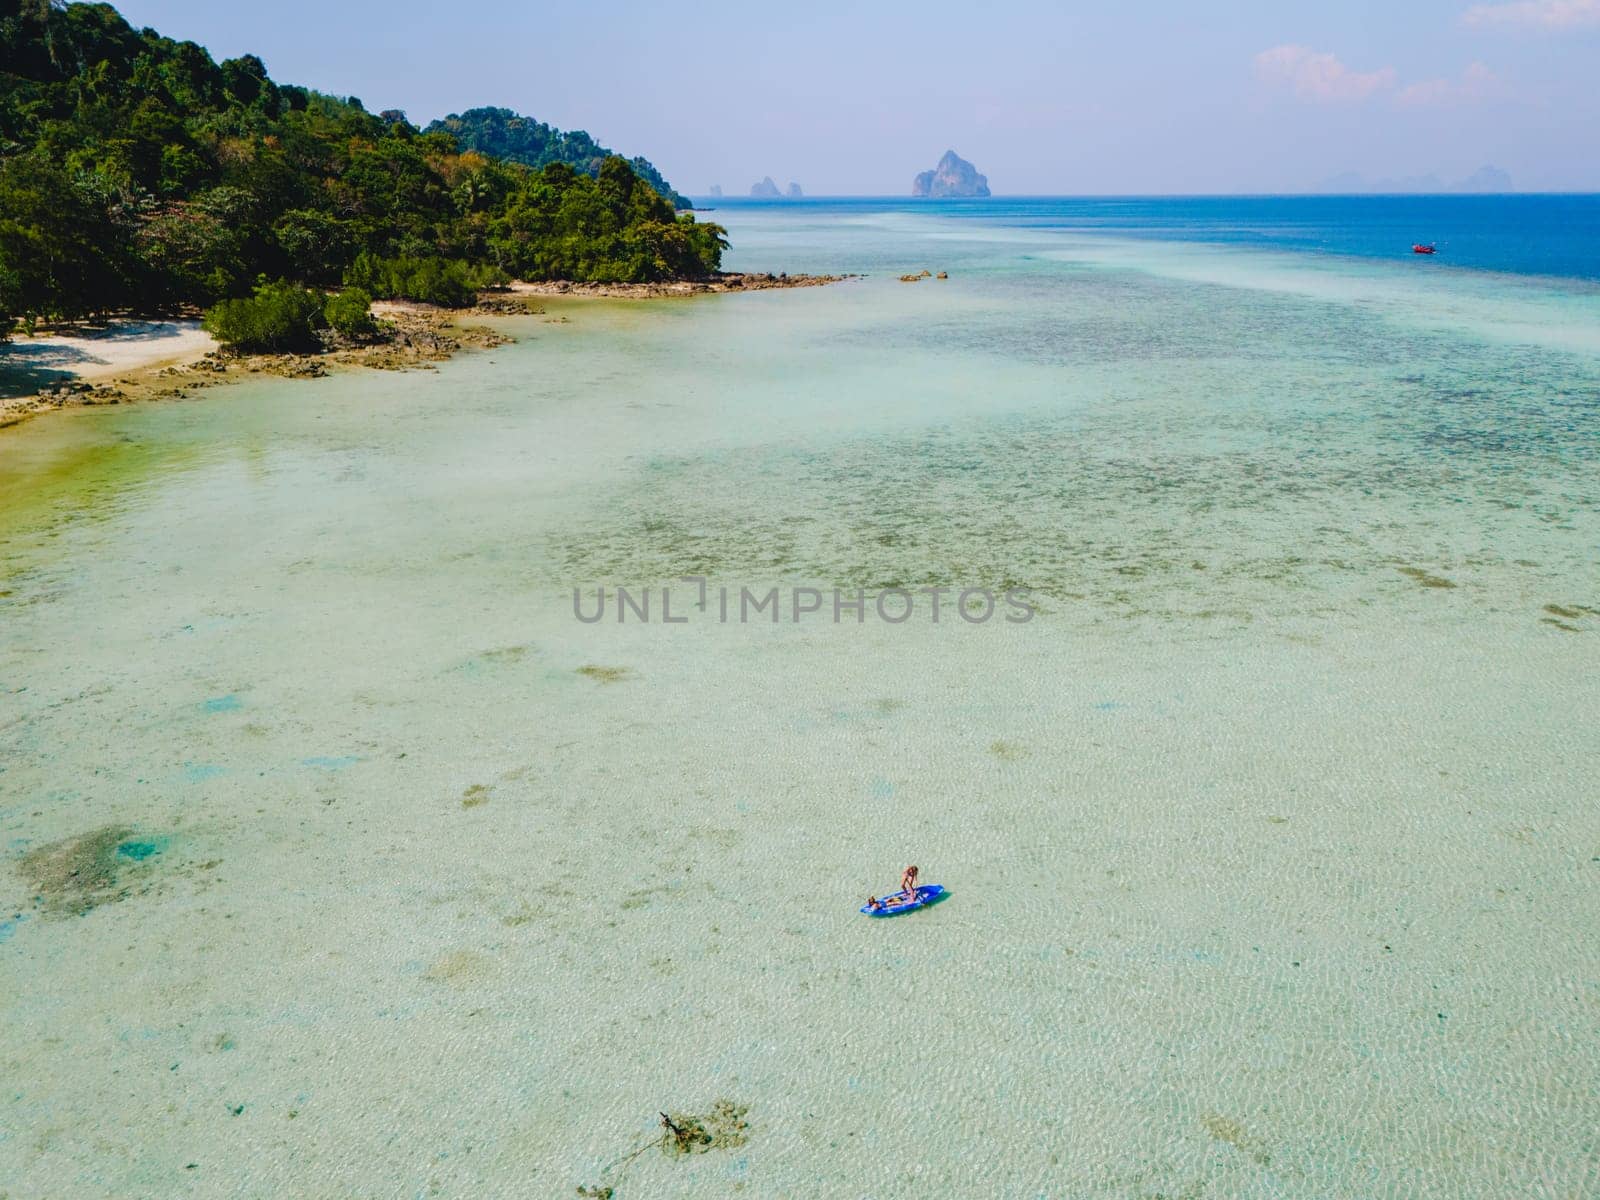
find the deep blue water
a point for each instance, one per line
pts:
(1520, 234)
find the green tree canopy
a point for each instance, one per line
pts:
(136, 172)
(502, 133)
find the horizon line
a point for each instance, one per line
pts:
(1450, 195)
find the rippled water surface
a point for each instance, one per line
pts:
(340, 859)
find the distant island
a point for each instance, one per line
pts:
(716, 191)
(1486, 179)
(768, 190)
(954, 176)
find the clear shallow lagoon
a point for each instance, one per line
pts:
(1272, 840)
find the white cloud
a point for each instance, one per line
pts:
(1320, 77)
(1323, 78)
(1536, 14)
(1477, 82)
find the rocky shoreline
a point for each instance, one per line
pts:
(413, 337)
(727, 281)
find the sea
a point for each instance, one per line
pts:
(417, 784)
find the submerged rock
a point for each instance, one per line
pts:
(723, 1128)
(77, 874)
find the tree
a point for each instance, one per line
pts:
(349, 313)
(280, 316)
(10, 299)
(63, 252)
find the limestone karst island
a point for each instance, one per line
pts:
(767, 189)
(953, 177)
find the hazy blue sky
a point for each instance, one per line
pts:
(1152, 96)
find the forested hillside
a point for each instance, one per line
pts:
(138, 173)
(501, 133)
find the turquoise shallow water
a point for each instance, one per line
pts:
(1519, 234)
(1271, 840)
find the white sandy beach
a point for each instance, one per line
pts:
(94, 353)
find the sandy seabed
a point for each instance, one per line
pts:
(340, 859)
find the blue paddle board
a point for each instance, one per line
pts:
(893, 906)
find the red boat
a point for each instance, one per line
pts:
(1419, 248)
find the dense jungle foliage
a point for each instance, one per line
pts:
(136, 173)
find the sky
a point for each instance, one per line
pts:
(1065, 98)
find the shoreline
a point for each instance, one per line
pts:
(416, 338)
(135, 359)
(726, 281)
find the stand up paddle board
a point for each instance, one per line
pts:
(893, 906)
